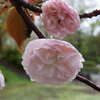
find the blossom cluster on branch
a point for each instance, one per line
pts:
(49, 61)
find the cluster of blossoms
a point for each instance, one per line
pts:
(51, 61)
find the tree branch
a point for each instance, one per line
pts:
(88, 82)
(91, 14)
(30, 6)
(29, 22)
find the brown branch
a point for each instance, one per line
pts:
(91, 14)
(29, 22)
(88, 82)
(30, 6)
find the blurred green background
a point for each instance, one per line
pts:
(86, 40)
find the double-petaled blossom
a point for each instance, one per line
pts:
(51, 61)
(2, 82)
(59, 18)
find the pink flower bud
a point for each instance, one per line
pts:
(50, 61)
(59, 18)
(2, 83)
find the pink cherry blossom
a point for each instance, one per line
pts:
(51, 61)
(2, 83)
(59, 18)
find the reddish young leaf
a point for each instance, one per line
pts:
(35, 2)
(16, 27)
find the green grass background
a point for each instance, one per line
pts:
(18, 88)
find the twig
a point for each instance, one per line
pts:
(30, 6)
(91, 14)
(29, 22)
(88, 82)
